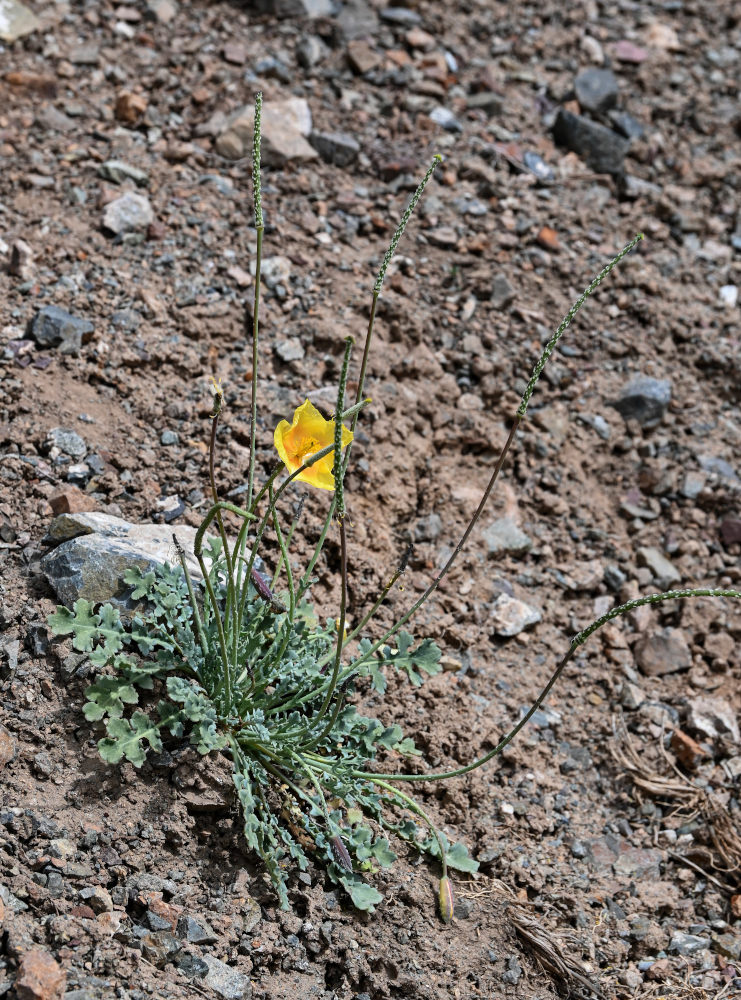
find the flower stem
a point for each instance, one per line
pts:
(259, 226)
(577, 641)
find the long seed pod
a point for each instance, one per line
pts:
(447, 899)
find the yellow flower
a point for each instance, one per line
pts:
(308, 434)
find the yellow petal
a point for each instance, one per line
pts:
(307, 434)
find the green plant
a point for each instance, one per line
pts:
(255, 675)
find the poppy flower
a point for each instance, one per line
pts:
(308, 434)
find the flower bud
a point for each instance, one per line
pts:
(341, 853)
(447, 899)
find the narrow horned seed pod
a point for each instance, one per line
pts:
(447, 899)
(341, 853)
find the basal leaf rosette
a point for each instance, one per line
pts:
(308, 434)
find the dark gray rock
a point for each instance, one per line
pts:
(626, 124)
(403, 17)
(94, 550)
(335, 147)
(118, 172)
(596, 90)
(54, 327)
(502, 293)
(603, 149)
(196, 931)
(687, 944)
(310, 51)
(66, 441)
(644, 399)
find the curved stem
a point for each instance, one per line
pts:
(577, 641)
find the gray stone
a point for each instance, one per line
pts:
(644, 399)
(54, 327)
(510, 616)
(603, 149)
(486, 101)
(504, 536)
(276, 271)
(197, 931)
(285, 126)
(67, 441)
(310, 51)
(502, 293)
(168, 438)
(428, 528)
(338, 148)
(226, 981)
(93, 551)
(628, 126)
(97, 898)
(631, 696)
(295, 8)
(662, 651)
(290, 350)
(20, 264)
(692, 485)
(713, 718)
(162, 10)
(356, 19)
(118, 171)
(404, 17)
(54, 120)
(16, 20)
(159, 947)
(192, 966)
(662, 570)
(445, 118)
(688, 944)
(596, 90)
(129, 213)
(514, 971)
(85, 55)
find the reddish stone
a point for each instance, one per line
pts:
(688, 751)
(40, 977)
(730, 530)
(627, 52)
(130, 107)
(82, 911)
(548, 238)
(71, 500)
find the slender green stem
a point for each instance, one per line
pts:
(230, 609)
(259, 225)
(339, 467)
(331, 684)
(284, 556)
(191, 597)
(289, 539)
(225, 660)
(306, 578)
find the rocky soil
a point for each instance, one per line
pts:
(608, 833)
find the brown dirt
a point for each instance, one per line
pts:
(570, 845)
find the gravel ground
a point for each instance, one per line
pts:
(608, 833)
